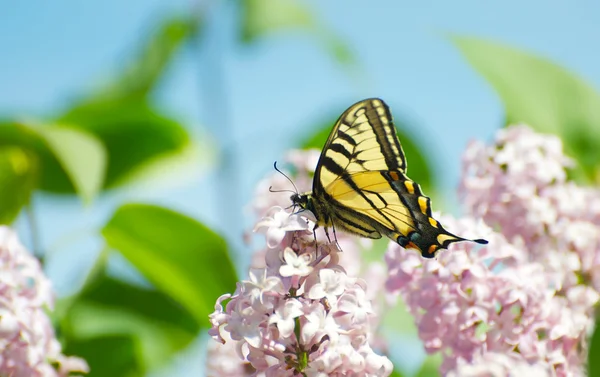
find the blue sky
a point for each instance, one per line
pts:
(276, 89)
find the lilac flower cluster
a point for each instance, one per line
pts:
(28, 347)
(525, 301)
(519, 185)
(300, 311)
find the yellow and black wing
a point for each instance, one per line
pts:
(361, 180)
(363, 139)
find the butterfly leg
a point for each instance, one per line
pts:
(327, 234)
(335, 238)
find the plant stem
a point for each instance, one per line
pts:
(217, 110)
(34, 231)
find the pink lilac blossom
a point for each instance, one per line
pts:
(224, 360)
(498, 364)
(300, 311)
(28, 346)
(557, 220)
(519, 186)
(523, 304)
(474, 300)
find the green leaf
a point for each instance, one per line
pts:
(109, 355)
(396, 373)
(375, 253)
(69, 160)
(137, 137)
(418, 164)
(594, 352)
(180, 256)
(398, 320)
(267, 17)
(18, 178)
(134, 134)
(544, 95)
(141, 75)
(261, 17)
(431, 366)
(81, 156)
(159, 326)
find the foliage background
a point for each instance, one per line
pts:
(165, 103)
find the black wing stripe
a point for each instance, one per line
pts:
(339, 148)
(379, 196)
(347, 138)
(330, 164)
(382, 136)
(394, 138)
(354, 224)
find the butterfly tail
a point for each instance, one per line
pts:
(430, 241)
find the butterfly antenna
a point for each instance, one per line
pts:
(288, 178)
(271, 190)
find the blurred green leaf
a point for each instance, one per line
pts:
(594, 352)
(141, 75)
(134, 134)
(261, 17)
(18, 178)
(431, 366)
(69, 160)
(266, 17)
(318, 139)
(107, 307)
(376, 252)
(398, 320)
(418, 165)
(179, 255)
(544, 95)
(336, 46)
(109, 355)
(81, 156)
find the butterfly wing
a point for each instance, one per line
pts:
(361, 178)
(363, 139)
(396, 204)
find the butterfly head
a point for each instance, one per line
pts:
(307, 203)
(300, 200)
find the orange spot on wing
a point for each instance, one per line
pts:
(394, 175)
(411, 245)
(432, 249)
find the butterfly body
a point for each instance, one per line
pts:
(361, 187)
(329, 215)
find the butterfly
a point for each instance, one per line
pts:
(360, 184)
